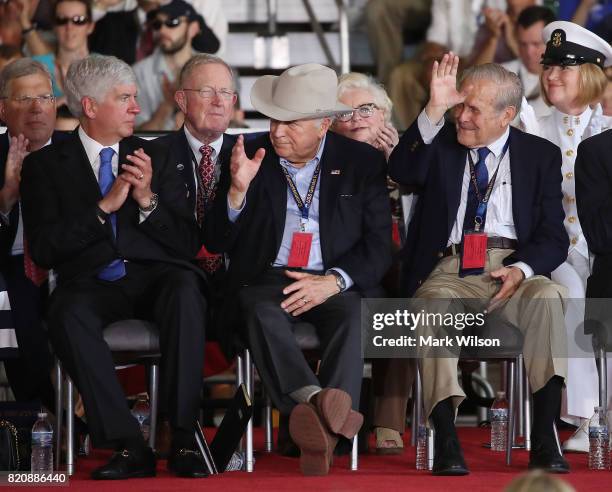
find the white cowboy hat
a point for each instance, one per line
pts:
(299, 93)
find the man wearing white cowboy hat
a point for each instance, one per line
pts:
(305, 222)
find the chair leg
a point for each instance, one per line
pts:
(511, 386)
(248, 368)
(520, 391)
(431, 434)
(154, 394)
(417, 407)
(354, 464)
(59, 385)
(268, 442)
(239, 381)
(69, 427)
(527, 410)
(603, 378)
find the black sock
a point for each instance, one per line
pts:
(443, 418)
(182, 439)
(546, 408)
(135, 444)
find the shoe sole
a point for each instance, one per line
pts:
(334, 407)
(450, 473)
(148, 474)
(557, 471)
(309, 433)
(389, 451)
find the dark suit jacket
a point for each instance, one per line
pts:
(59, 197)
(437, 170)
(9, 231)
(593, 172)
(355, 220)
(183, 162)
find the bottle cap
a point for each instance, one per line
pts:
(501, 394)
(42, 415)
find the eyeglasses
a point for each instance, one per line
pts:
(170, 23)
(77, 20)
(365, 111)
(209, 92)
(45, 100)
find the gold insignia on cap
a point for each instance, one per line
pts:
(556, 39)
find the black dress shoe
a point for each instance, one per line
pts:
(547, 458)
(187, 463)
(127, 464)
(448, 459)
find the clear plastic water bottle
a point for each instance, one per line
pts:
(236, 462)
(142, 412)
(421, 447)
(42, 445)
(599, 443)
(498, 416)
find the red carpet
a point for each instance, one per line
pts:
(376, 473)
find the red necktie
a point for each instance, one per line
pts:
(206, 194)
(35, 273)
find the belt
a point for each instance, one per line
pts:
(494, 242)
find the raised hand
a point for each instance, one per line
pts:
(9, 194)
(242, 170)
(387, 139)
(443, 93)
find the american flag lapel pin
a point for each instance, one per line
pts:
(335, 171)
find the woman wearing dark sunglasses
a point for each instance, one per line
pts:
(72, 25)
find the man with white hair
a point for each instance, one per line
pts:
(488, 228)
(108, 212)
(303, 215)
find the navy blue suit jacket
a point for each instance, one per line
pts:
(437, 170)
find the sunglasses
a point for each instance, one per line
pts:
(77, 20)
(365, 111)
(169, 23)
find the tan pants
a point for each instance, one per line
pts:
(541, 322)
(407, 92)
(386, 21)
(391, 382)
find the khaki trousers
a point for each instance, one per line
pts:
(386, 21)
(542, 324)
(407, 92)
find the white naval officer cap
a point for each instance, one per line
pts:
(570, 44)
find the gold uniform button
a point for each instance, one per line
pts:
(569, 175)
(570, 132)
(574, 240)
(570, 199)
(571, 219)
(569, 153)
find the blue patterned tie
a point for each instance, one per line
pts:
(482, 179)
(116, 268)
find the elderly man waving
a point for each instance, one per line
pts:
(304, 218)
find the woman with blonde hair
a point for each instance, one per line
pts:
(573, 81)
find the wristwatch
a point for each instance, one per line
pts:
(340, 282)
(152, 204)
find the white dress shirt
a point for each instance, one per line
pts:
(499, 221)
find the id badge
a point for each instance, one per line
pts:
(473, 253)
(300, 249)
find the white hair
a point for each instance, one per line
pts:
(354, 80)
(94, 76)
(510, 88)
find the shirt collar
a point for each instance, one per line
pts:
(579, 122)
(93, 148)
(312, 162)
(496, 147)
(195, 144)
